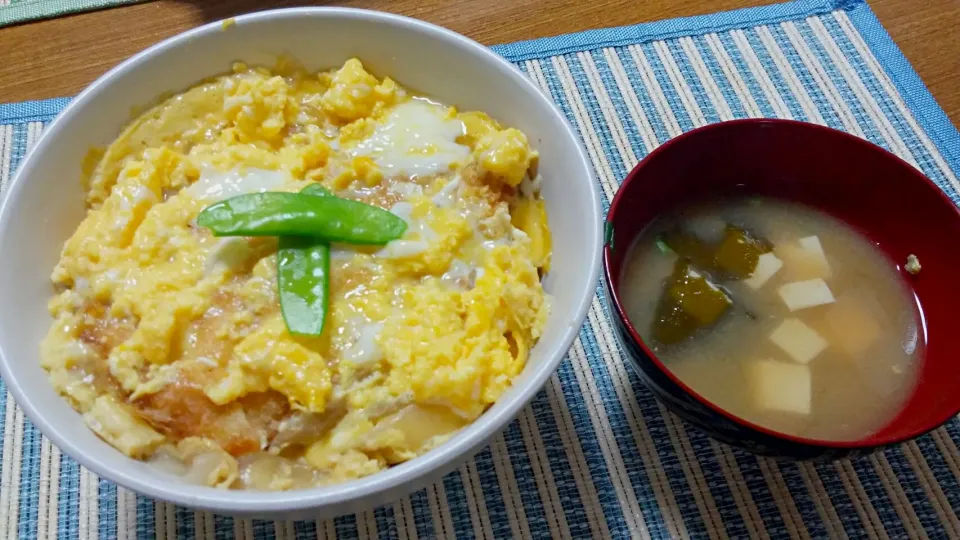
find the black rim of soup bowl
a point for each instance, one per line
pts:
(688, 404)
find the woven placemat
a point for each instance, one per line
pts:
(594, 455)
(17, 11)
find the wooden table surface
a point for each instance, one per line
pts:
(58, 57)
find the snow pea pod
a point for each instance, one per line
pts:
(300, 214)
(303, 278)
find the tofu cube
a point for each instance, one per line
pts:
(798, 340)
(852, 325)
(805, 294)
(804, 259)
(812, 245)
(767, 265)
(779, 386)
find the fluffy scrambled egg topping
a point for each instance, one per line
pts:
(171, 343)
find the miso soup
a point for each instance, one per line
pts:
(777, 313)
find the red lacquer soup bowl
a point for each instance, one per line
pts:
(880, 195)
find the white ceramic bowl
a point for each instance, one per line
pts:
(44, 204)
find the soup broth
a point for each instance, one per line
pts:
(777, 313)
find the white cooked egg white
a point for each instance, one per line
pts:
(416, 139)
(216, 186)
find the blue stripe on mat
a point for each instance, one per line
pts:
(32, 111)
(631, 130)
(69, 500)
(3, 412)
(760, 492)
(629, 452)
(806, 506)
(599, 473)
(753, 87)
(833, 76)
(223, 528)
(681, 113)
(560, 468)
(911, 486)
(346, 526)
(643, 96)
(185, 526)
(107, 503)
(937, 460)
(19, 148)
(684, 26)
(810, 89)
(777, 78)
(879, 499)
(919, 99)
(147, 519)
(492, 494)
(29, 481)
(262, 530)
(720, 489)
(689, 73)
(457, 505)
(421, 514)
(529, 494)
(305, 530)
(830, 478)
(590, 101)
(386, 522)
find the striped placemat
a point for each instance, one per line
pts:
(17, 11)
(594, 456)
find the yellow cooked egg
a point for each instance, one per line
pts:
(171, 343)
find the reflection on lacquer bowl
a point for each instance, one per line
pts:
(757, 274)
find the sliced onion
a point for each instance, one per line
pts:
(302, 428)
(166, 460)
(217, 469)
(420, 423)
(305, 476)
(265, 472)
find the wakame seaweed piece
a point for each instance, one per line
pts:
(738, 253)
(698, 297)
(689, 302)
(672, 324)
(689, 246)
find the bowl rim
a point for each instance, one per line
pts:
(393, 479)
(620, 312)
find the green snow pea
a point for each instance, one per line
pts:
(303, 278)
(302, 214)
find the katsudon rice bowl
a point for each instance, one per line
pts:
(296, 274)
(172, 343)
